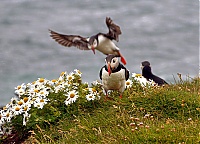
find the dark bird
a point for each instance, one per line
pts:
(101, 42)
(147, 73)
(113, 75)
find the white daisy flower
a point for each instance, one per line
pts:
(53, 82)
(14, 101)
(78, 72)
(92, 90)
(20, 92)
(2, 119)
(6, 130)
(40, 102)
(128, 83)
(90, 97)
(70, 77)
(42, 81)
(143, 81)
(17, 110)
(22, 86)
(6, 116)
(26, 107)
(95, 83)
(136, 75)
(71, 97)
(152, 83)
(44, 92)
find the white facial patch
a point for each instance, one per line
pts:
(114, 63)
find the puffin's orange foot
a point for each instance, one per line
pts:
(120, 96)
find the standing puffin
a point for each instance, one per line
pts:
(101, 42)
(113, 75)
(146, 72)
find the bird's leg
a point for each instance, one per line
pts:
(107, 97)
(122, 58)
(120, 96)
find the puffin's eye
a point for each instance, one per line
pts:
(95, 43)
(113, 61)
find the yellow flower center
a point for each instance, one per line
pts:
(90, 96)
(72, 95)
(36, 90)
(18, 87)
(25, 108)
(128, 83)
(54, 80)
(94, 90)
(41, 80)
(33, 82)
(42, 100)
(20, 103)
(79, 72)
(69, 78)
(7, 115)
(138, 75)
(17, 108)
(62, 73)
(25, 99)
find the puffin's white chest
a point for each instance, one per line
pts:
(106, 45)
(116, 81)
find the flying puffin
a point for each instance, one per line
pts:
(101, 42)
(146, 72)
(113, 75)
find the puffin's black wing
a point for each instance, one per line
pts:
(100, 73)
(158, 80)
(126, 71)
(70, 40)
(127, 74)
(114, 30)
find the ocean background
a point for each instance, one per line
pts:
(166, 33)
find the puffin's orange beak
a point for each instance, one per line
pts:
(93, 49)
(109, 70)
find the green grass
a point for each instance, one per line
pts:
(174, 114)
(169, 114)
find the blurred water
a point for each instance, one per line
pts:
(164, 32)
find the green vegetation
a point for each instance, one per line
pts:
(168, 114)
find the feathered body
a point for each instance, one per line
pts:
(147, 73)
(113, 75)
(101, 42)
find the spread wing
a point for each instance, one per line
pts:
(114, 30)
(70, 40)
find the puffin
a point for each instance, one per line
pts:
(100, 41)
(113, 75)
(147, 73)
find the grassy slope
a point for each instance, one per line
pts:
(173, 117)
